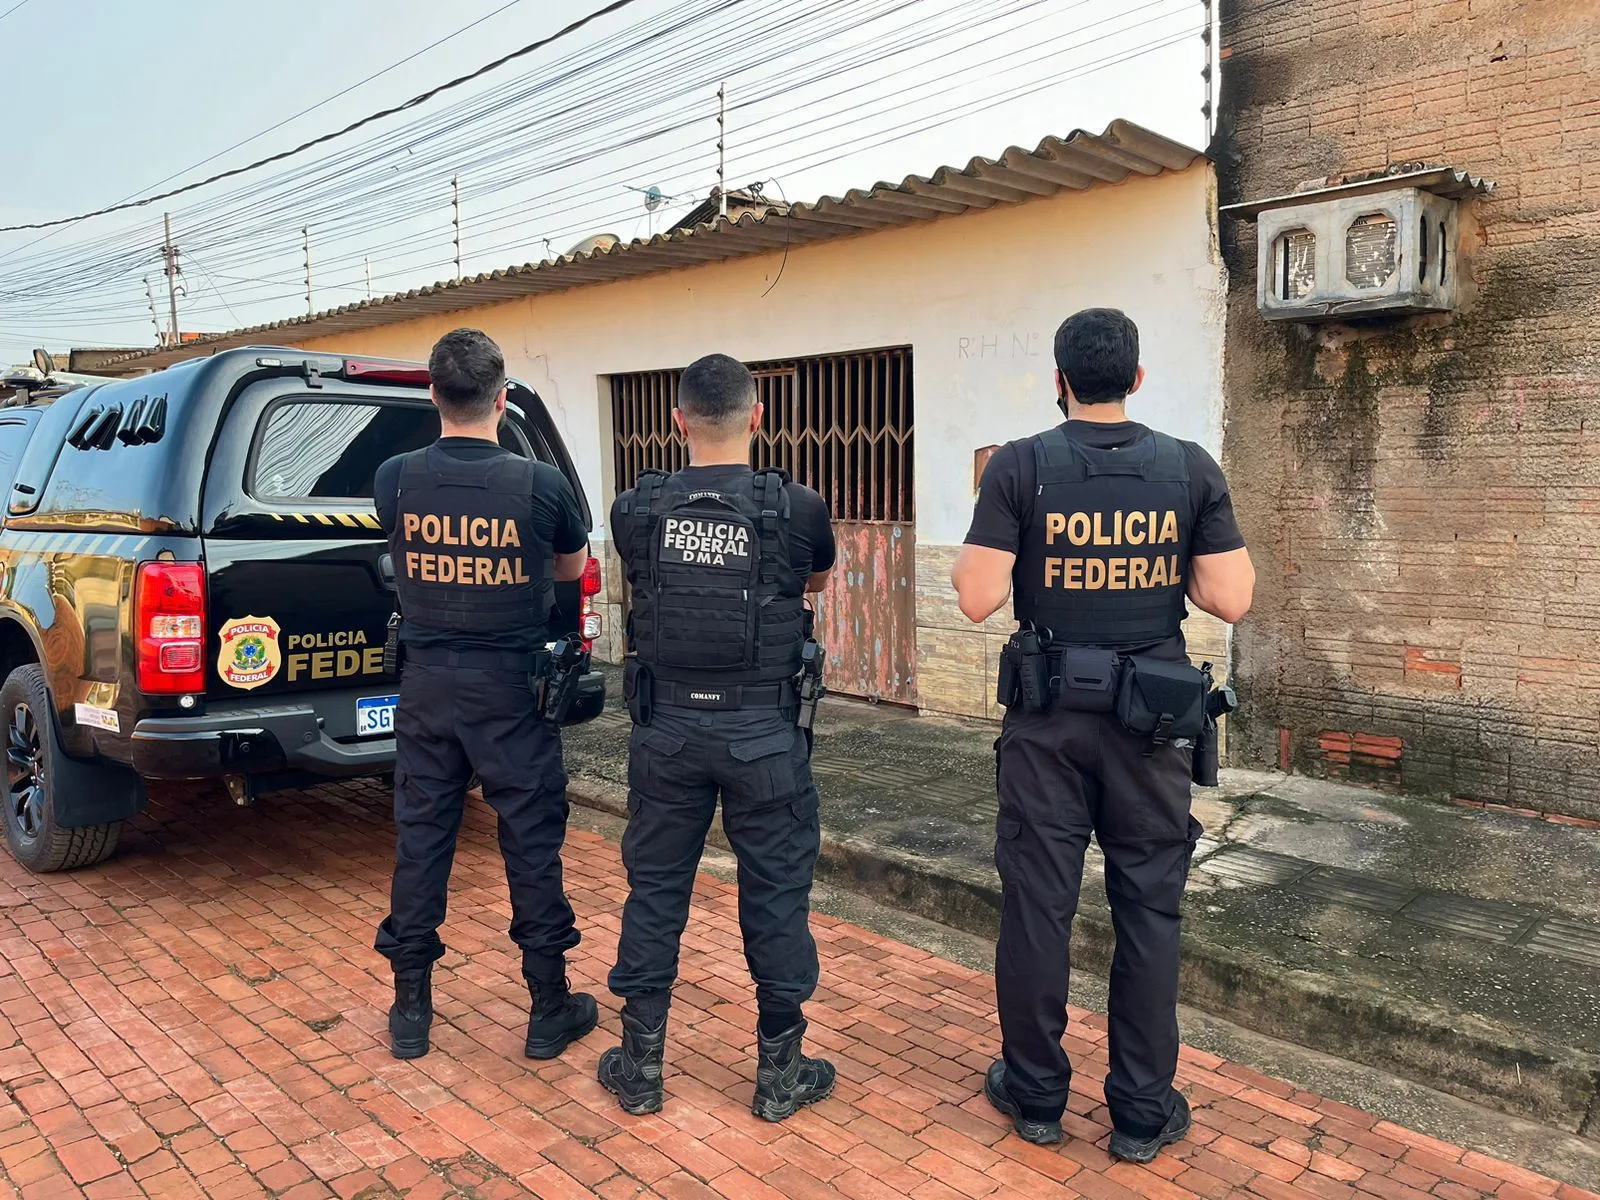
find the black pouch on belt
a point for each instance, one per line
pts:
(1161, 700)
(638, 689)
(1088, 679)
(1033, 669)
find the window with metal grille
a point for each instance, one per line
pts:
(841, 424)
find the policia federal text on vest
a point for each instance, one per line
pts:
(482, 569)
(719, 620)
(467, 556)
(1106, 553)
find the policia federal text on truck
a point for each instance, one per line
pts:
(1099, 529)
(190, 584)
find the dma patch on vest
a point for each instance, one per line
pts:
(706, 542)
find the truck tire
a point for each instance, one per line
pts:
(33, 755)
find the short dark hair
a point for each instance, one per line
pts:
(467, 371)
(1097, 352)
(716, 390)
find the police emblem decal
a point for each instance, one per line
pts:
(249, 655)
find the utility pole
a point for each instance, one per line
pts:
(722, 150)
(368, 262)
(306, 234)
(455, 204)
(150, 295)
(1208, 39)
(170, 253)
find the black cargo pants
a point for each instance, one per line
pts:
(1062, 776)
(677, 765)
(453, 722)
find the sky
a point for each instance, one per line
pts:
(821, 96)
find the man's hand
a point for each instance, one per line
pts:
(570, 566)
(1223, 584)
(818, 580)
(982, 579)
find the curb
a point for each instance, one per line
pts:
(1458, 1054)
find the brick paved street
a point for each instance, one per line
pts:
(204, 1017)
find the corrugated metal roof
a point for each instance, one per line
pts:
(1079, 161)
(1449, 182)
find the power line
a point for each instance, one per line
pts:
(328, 100)
(12, 9)
(279, 125)
(245, 230)
(614, 6)
(830, 154)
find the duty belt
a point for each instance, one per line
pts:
(725, 695)
(526, 663)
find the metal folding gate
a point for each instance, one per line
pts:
(842, 424)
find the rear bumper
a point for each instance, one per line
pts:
(284, 737)
(250, 742)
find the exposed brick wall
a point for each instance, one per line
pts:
(1423, 495)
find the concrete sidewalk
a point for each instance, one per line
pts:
(1456, 947)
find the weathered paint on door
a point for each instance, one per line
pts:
(867, 615)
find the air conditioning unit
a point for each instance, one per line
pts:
(1387, 245)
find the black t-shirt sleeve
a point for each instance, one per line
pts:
(997, 517)
(386, 492)
(811, 544)
(1215, 529)
(555, 510)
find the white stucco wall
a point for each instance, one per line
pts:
(977, 297)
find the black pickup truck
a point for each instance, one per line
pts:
(193, 584)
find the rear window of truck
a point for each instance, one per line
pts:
(330, 450)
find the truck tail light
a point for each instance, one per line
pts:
(385, 371)
(170, 627)
(589, 621)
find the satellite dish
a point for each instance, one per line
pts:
(600, 241)
(44, 362)
(652, 198)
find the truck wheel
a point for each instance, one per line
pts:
(32, 758)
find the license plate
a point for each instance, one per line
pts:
(375, 715)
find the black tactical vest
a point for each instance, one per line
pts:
(466, 554)
(1104, 559)
(715, 594)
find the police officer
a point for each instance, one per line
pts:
(1098, 529)
(719, 558)
(478, 535)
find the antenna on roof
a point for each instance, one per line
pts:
(654, 197)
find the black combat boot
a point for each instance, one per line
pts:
(1040, 1133)
(632, 1071)
(786, 1080)
(1144, 1149)
(412, 1012)
(560, 1017)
